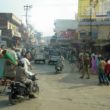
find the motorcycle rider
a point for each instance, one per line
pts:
(21, 76)
(27, 65)
(60, 62)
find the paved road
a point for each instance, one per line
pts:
(65, 91)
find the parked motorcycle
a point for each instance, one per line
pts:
(20, 91)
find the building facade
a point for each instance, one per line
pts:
(9, 25)
(87, 9)
(95, 30)
(66, 34)
(66, 29)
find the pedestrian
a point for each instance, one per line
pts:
(86, 65)
(93, 64)
(101, 71)
(80, 63)
(107, 70)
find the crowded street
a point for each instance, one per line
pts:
(55, 55)
(63, 91)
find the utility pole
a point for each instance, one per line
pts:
(91, 24)
(90, 21)
(27, 8)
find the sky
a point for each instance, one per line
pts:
(43, 12)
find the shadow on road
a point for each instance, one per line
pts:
(4, 103)
(77, 82)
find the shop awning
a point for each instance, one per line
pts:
(102, 44)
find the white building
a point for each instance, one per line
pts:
(65, 24)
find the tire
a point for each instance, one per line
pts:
(36, 88)
(11, 99)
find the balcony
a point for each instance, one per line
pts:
(16, 34)
(93, 22)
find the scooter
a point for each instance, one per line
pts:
(58, 67)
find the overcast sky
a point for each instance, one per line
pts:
(43, 12)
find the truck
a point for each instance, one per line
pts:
(39, 56)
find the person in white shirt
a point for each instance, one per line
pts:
(27, 66)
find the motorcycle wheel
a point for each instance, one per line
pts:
(36, 88)
(11, 99)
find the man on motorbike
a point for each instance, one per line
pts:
(60, 63)
(21, 76)
(61, 60)
(27, 65)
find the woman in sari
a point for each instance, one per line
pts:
(94, 64)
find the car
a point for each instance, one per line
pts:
(40, 58)
(53, 57)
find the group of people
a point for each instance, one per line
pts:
(17, 68)
(95, 64)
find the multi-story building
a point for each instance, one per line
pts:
(65, 24)
(94, 29)
(9, 24)
(87, 9)
(66, 31)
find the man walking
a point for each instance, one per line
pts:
(86, 65)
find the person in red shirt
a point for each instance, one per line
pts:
(101, 72)
(107, 70)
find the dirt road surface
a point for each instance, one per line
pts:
(64, 91)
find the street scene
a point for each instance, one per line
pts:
(55, 55)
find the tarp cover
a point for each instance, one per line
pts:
(2, 67)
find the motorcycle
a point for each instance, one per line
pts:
(58, 67)
(35, 88)
(20, 91)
